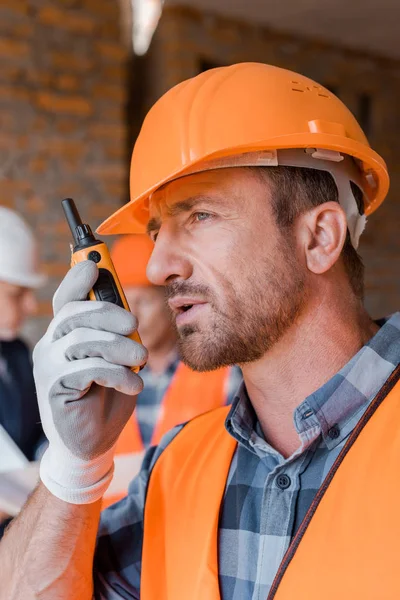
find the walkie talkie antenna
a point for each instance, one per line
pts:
(73, 218)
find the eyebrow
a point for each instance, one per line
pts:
(176, 209)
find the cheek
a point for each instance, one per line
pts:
(156, 314)
(214, 251)
(146, 315)
(230, 255)
(227, 263)
(9, 312)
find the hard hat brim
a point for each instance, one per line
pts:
(133, 216)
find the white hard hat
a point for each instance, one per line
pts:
(18, 251)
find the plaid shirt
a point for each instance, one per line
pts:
(149, 404)
(266, 495)
(149, 400)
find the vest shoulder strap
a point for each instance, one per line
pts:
(202, 447)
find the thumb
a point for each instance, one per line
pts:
(76, 285)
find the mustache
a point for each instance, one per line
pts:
(184, 288)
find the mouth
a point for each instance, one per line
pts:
(184, 309)
(182, 304)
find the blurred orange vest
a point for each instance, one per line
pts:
(190, 394)
(347, 546)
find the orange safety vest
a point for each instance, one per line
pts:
(190, 394)
(347, 547)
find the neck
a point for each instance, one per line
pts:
(326, 336)
(162, 355)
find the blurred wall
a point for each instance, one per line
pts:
(63, 94)
(188, 42)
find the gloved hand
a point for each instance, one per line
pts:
(82, 356)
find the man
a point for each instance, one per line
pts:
(253, 182)
(19, 276)
(172, 393)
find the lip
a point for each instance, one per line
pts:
(184, 316)
(177, 303)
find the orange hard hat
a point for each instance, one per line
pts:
(243, 108)
(130, 255)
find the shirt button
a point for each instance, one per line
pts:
(334, 432)
(307, 414)
(283, 482)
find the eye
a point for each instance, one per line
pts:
(201, 216)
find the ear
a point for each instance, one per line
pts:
(322, 233)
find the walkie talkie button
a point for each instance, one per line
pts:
(105, 289)
(108, 295)
(94, 256)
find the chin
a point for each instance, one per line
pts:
(200, 357)
(8, 335)
(200, 366)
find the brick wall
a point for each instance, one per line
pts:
(64, 88)
(188, 41)
(63, 95)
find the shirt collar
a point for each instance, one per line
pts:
(335, 408)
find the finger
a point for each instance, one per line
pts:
(117, 349)
(76, 285)
(87, 415)
(102, 316)
(78, 377)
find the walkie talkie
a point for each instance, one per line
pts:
(86, 247)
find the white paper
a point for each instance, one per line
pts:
(15, 487)
(11, 457)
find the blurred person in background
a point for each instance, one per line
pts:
(173, 393)
(19, 276)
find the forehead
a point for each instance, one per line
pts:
(227, 186)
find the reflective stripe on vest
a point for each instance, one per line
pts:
(190, 394)
(347, 546)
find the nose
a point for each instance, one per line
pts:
(30, 303)
(168, 260)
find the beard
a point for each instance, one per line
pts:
(252, 317)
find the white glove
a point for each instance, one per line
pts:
(84, 353)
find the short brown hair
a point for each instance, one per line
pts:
(296, 190)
